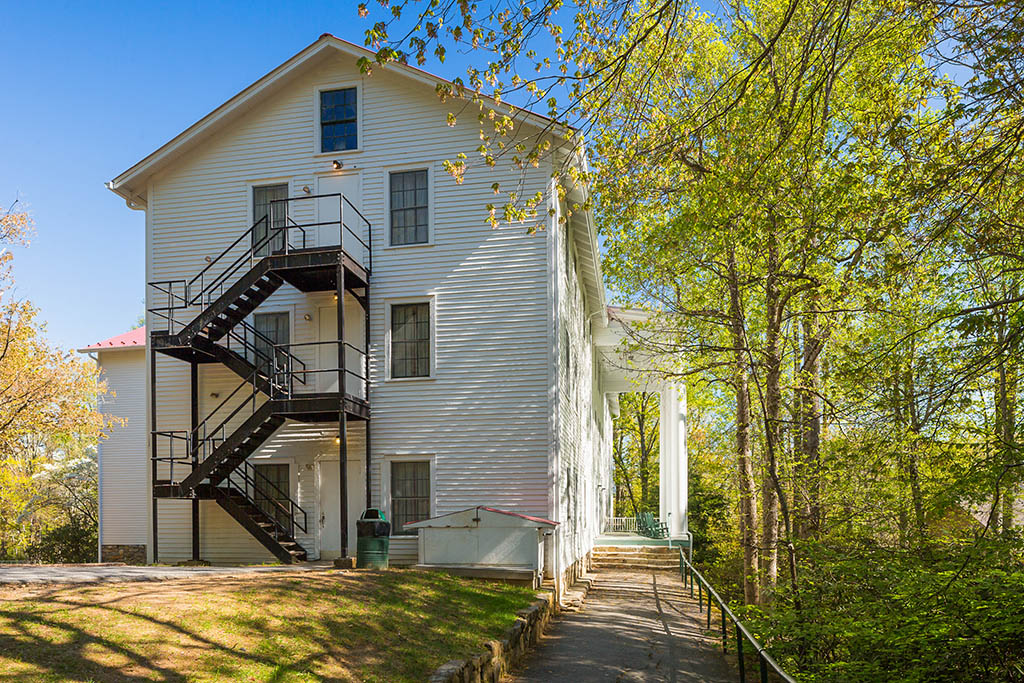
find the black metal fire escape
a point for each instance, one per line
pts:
(203, 320)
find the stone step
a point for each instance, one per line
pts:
(626, 553)
(636, 566)
(619, 558)
(656, 556)
(635, 560)
(644, 549)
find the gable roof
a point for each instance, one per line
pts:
(128, 184)
(473, 516)
(133, 339)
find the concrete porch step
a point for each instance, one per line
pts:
(625, 562)
(636, 566)
(638, 549)
(636, 558)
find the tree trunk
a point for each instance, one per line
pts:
(772, 424)
(1006, 418)
(744, 464)
(809, 384)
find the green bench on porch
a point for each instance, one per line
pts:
(647, 525)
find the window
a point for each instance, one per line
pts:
(409, 207)
(275, 217)
(272, 487)
(272, 329)
(410, 340)
(410, 494)
(338, 120)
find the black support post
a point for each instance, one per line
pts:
(153, 446)
(194, 445)
(366, 382)
(342, 418)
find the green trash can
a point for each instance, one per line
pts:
(373, 540)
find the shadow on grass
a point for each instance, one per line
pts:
(389, 625)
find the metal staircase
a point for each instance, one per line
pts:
(202, 320)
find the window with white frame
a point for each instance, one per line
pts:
(410, 207)
(410, 494)
(410, 340)
(338, 120)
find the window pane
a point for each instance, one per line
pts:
(410, 494)
(409, 207)
(410, 340)
(338, 116)
(272, 329)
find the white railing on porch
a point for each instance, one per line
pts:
(621, 525)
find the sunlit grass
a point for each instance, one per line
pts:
(368, 626)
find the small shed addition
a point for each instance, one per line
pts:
(484, 542)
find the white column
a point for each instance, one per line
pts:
(672, 461)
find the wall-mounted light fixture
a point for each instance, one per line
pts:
(209, 260)
(214, 395)
(307, 317)
(337, 441)
(305, 188)
(337, 165)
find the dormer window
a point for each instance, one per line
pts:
(338, 120)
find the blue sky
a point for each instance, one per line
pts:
(90, 89)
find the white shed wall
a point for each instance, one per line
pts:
(124, 460)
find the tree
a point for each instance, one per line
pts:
(635, 452)
(49, 420)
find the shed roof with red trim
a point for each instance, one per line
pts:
(472, 517)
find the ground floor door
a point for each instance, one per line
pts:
(330, 512)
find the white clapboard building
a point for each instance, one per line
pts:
(321, 291)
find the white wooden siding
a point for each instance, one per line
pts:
(124, 460)
(583, 450)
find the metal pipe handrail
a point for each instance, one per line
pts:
(255, 474)
(288, 373)
(687, 572)
(197, 291)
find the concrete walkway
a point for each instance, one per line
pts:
(634, 626)
(18, 574)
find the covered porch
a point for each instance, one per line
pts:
(625, 372)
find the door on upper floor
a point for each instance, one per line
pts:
(269, 215)
(335, 212)
(327, 358)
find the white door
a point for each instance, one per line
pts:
(330, 510)
(335, 211)
(327, 318)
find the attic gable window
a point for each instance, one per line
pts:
(338, 120)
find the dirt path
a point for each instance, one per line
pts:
(635, 626)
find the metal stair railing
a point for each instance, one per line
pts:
(292, 370)
(208, 285)
(766, 663)
(249, 482)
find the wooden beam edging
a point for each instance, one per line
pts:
(687, 571)
(500, 656)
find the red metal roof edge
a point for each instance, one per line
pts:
(517, 514)
(132, 338)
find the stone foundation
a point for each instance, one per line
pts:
(129, 554)
(501, 655)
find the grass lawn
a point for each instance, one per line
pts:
(395, 625)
